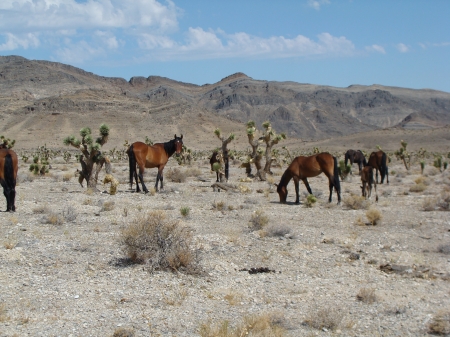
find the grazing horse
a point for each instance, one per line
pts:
(8, 175)
(149, 156)
(355, 157)
(214, 159)
(378, 160)
(302, 168)
(368, 182)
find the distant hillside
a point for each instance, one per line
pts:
(35, 95)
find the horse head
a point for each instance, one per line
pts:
(178, 144)
(282, 193)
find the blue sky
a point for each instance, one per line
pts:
(329, 42)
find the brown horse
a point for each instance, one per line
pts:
(214, 160)
(8, 175)
(302, 168)
(378, 160)
(368, 182)
(149, 156)
(355, 157)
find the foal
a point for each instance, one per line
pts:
(367, 182)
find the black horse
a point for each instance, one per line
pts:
(355, 157)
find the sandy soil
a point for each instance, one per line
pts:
(66, 280)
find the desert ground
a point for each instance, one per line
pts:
(361, 268)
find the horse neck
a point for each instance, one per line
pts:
(169, 147)
(285, 178)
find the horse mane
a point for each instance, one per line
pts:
(285, 178)
(169, 147)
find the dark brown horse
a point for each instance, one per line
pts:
(355, 157)
(302, 168)
(214, 159)
(8, 175)
(149, 156)
(368, 182)
(378, 160)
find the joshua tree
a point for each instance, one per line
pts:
(404, 155)
(270, 137)
(91, 154)
(225, 142)
(6, 143)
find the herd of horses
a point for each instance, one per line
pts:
(143, 156)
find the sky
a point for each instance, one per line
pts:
(403, 43)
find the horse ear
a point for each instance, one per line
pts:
(175, 136)
(181, 137)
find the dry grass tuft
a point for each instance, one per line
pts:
(418, 188)
(3, 313)
(53, 218)
(161, 244)
(176, 175)
(219, 205)
(258, 221)
(67, 176)
(374, 216)
(253, 326)
(354, 201)
(279, 231)
(329, 318)
(41, 209)
(366, 295)
(440, 324)
(107, 206)
(123, 332)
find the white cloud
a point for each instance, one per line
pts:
(24, 41)
(376, 48)
(316, 4)
(201, 44)
(42, 15)
(403, 48)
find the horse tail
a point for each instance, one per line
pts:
(364, 159)
(337, 184)
(346, 158)
(132, 161)
(9, 171)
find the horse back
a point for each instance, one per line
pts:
(8, 162)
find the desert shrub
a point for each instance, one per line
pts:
(193, 172)
(67, 176)
(53, 218)
(278, 230)
(258, 221)
(123, 332)
(251, 326)
(176, 175)
(354, 201)
(69, 213)
(219, 205)
(422, 180)
(373, 215)
(445, 248)
(329, 318)
(440, 324)
(185, 211)
(107, 206)
(310, 200)
(429, 204)
(41, 209)
(418, 188)
(159, 243)
(366, 295)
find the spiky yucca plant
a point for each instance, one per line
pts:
(6, 143)
(225, 142)
(404, 155)
(91, 154)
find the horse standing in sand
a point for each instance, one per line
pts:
(355, 157)
(302, 168)
(149, 156)
(8, 176)
(378, 160)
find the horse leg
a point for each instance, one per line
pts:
(376, 175)
(6, 193)
(137, 181)
(297, 195)
(141, 178)
(305, 181)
